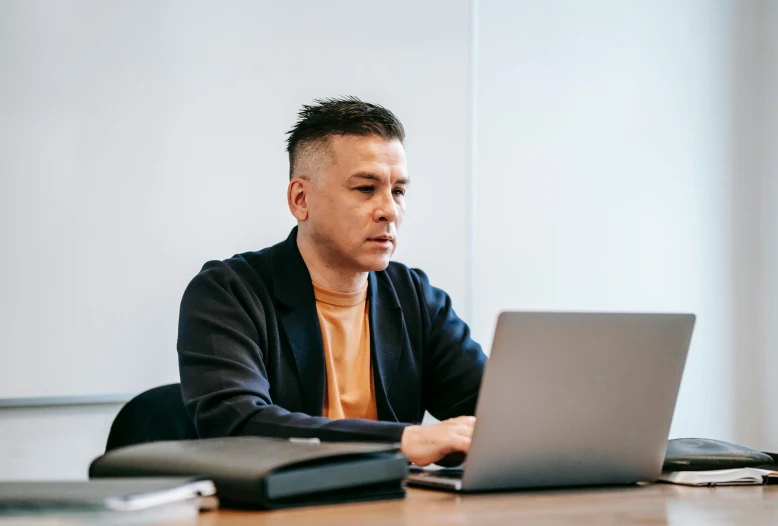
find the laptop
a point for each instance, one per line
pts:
(573, 399)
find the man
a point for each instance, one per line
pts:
(321, 335)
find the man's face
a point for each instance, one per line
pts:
(357, 203)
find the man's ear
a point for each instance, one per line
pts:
(296, 196)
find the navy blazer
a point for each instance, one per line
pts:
(251, 357)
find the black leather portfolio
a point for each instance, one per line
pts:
(254, 472)
(702, 454)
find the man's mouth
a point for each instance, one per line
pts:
(382, 239)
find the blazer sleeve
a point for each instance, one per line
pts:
(453, 362)
(224, 379)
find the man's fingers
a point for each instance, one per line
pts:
(456, 442)
(462, 430)
(469, 420)
(460, 443)
(462, 422)
(426, 444)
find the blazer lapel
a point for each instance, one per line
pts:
(302, 330)
(293, 287)
(386, 336)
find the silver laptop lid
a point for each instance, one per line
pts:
(572, 399)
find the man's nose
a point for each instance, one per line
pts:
(386, 209)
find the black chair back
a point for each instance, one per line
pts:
(156, 414)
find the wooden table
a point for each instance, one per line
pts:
(641, 505)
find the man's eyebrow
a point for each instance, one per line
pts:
(366, 175)
(373, 177)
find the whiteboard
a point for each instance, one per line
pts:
(139, 140)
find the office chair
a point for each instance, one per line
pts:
(156, 414)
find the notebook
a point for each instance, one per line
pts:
(124, 502)
(722, 477)
(129, 494)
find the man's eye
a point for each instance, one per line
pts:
(399, 191)
(365, 189)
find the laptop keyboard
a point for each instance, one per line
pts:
(446, 473)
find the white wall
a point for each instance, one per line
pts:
(748, 227)
(52, 442)
(602, 172)
(769, 297)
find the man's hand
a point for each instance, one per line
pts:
(424, 445)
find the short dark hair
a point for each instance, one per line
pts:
(340, 116)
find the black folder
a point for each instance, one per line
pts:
(254, 472)
(703, 454)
